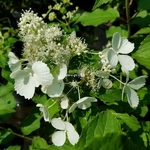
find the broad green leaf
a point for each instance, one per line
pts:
(53, 106)
(144, 17)
(6, 74)
(40, 99)
(3, 60)
(132, 97)
(14, 148)
(98, 3)
(143, 5)
(111, 141)
(104, 123)
(38, 143)
(138, 82)
(66, 146)
(98, 17)
(7, 104)
(5, 137)
(110, 96)
(113, 29)
(130, 121)
(145, 30)
(142, 55)
(5, 89)
(30, 124)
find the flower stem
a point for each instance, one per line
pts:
(16, 134)
(128, 16)
(117, 79)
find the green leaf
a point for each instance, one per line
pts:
(66, 146)
(14, 148)
(38, 143)
(98, 3)
(143, 5)
(31, 123)
(5, 89)
(142, 55)
(111, 141)
(113, 29)
(138, 82)
(53, 106)
(145, 30)
(104, 123)
(144, 17)
(98, 17)
(110, 96)
(3, 60)
(5, 137)
(7, 104)
(130, 121)
(6, 74)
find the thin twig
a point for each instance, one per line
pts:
(128, 16)
(16, 134)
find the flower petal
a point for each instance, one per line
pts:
(73, 137)
(126, 62)
(42, 73)
(64, 103)
(69, 126)
(14, 63)
(45, 112)
(116, 41)
(126, 46)
(132, 97)
(20, 74)
(84, 105)
(59, 138)
(85, 102)
(58, 123)
(62, 72)
(112, 57)
(73, 107)
(56, 88)
(25, 86)
(90, 99)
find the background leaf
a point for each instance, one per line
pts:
(31, 123)
(7, 104)
(98, 17)
(5, 89)
(98, 3)
(113, 29)
(14, 148)
(144, 5)
(104, 123)
(38, 143)
(130, 121)
(142, 55)
(111, 141)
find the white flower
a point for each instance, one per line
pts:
(45, 112)
(56, 88)
(64, 102)
(120, 47)
(14, 63)
(82, 103)
(67, 129)
(26, 80)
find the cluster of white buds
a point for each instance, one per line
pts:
(75, 44)
(69, 15)
(46, 43)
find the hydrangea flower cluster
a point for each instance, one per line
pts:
(46, 55)
(44, 64)
(44, 43)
